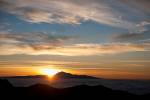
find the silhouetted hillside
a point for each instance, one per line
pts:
(65, 80)
(5, 84)
(32, 76)
(45, 92)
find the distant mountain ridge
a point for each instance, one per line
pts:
(64, 75)
(65, 80)
(29, 76)
(59, 75)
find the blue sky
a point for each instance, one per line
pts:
(77, 31)
(91, 32)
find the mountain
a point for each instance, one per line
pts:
(32, 76)
(59, 75)
(65, 80)
(5, 84)
(80, 92)
(64, 75)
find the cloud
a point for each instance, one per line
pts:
(100, 49)
(47, 44)
(128, 37)
(138, 5)
(76, 11)
(143, 23)
(31, 40)
(145, 40)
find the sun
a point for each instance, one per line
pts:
(49, 72)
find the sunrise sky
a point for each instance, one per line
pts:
(103, 38)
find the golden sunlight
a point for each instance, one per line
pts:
(49, 72)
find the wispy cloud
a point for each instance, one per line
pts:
(39, 44)
(32, 40)
(141, 6)
(128, 37)
(77, 11)
(131, 37)
(100, 49)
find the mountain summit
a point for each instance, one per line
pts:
(64, 75)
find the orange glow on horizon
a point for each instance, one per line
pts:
(51, 71)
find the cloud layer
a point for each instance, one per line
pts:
(118, 13)
(129, 37)
(35, 41)
(39, 44)
(77, 11)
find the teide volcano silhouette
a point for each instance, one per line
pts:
(64, 75)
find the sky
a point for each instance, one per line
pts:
(102, 38)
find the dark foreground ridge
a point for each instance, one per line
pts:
(45, 92)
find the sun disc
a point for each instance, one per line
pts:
(49, 72)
